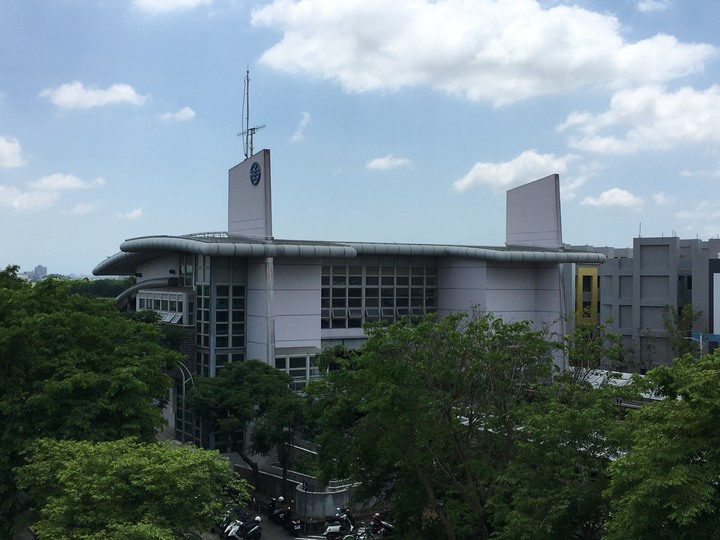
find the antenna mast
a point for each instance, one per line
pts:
(248, 132)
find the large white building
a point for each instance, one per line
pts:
(243, 294)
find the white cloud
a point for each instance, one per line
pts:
(299, 134)
(43, 192)
(614, 197)
(648, 118)
(700, 174)
(157, 7)
(132, 214)
(75, 95)
(10, 153)
(702, 211)
(570, 184)
(61, 182)
(528, 166)
(482, 50)
(663, 199)
(184, 114)
(387, 162)
(646, 6)
(27, 200)
(84, 208)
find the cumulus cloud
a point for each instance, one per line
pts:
(614, 197)
(10, 153)
(528, 166)
(387, 162)
(62, 182)
(76, 95)
(663, 199)
(484, 50)
(646, 6)
(157, 7)
(648, 118)
(299, 134)
(700, 174)
(44, 192)
(570, 184)
(17, 199)
(184, 114)
(703, 211)
(131, 215)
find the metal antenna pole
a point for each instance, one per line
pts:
(248, 132)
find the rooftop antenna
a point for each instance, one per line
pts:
(248, 132)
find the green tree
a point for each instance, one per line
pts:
(125, 489)
(101, 288)
(590, 346)
(72, 367)
(678, 324)
(251, 397)
(427, 415)
(666, 484)
(553, 487)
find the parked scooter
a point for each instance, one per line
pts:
(343, 523)
(277, 515)
(292, 524)
(380, 527)
(232, 516)
(273, 505)
(249, 530)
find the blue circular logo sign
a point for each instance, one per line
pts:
(255, 173)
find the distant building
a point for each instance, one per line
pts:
(40, 272)
(633, 287)
(244, 294)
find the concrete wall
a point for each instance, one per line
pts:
(533, 214)
(462, 284)
(297, 303)
(249, 197)
(159, 267)
(260, 329)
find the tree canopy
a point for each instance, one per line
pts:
(666, 484)
(464, 429)
(124, 489)
(72, 367)
(427, 416)
(254, 397)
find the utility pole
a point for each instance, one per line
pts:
(248, 132)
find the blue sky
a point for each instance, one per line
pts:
(388, 120)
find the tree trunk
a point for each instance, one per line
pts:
(253, 465)
(437, 506)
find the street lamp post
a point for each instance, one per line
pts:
(699, 340)
(184, 370)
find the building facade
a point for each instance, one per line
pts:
(243, 294)
(633, 288)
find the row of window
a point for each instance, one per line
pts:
(354, 294)
(300, 369)
(229, 316)
(168, 305)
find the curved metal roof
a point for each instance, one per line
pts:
(137, 250)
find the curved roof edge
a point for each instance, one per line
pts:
(136, 250)
(493, 254)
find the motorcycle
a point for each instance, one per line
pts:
(232, 516)
(292, 524)
(381, 527)
(340, 525)
(278, 514)
(249, 530)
